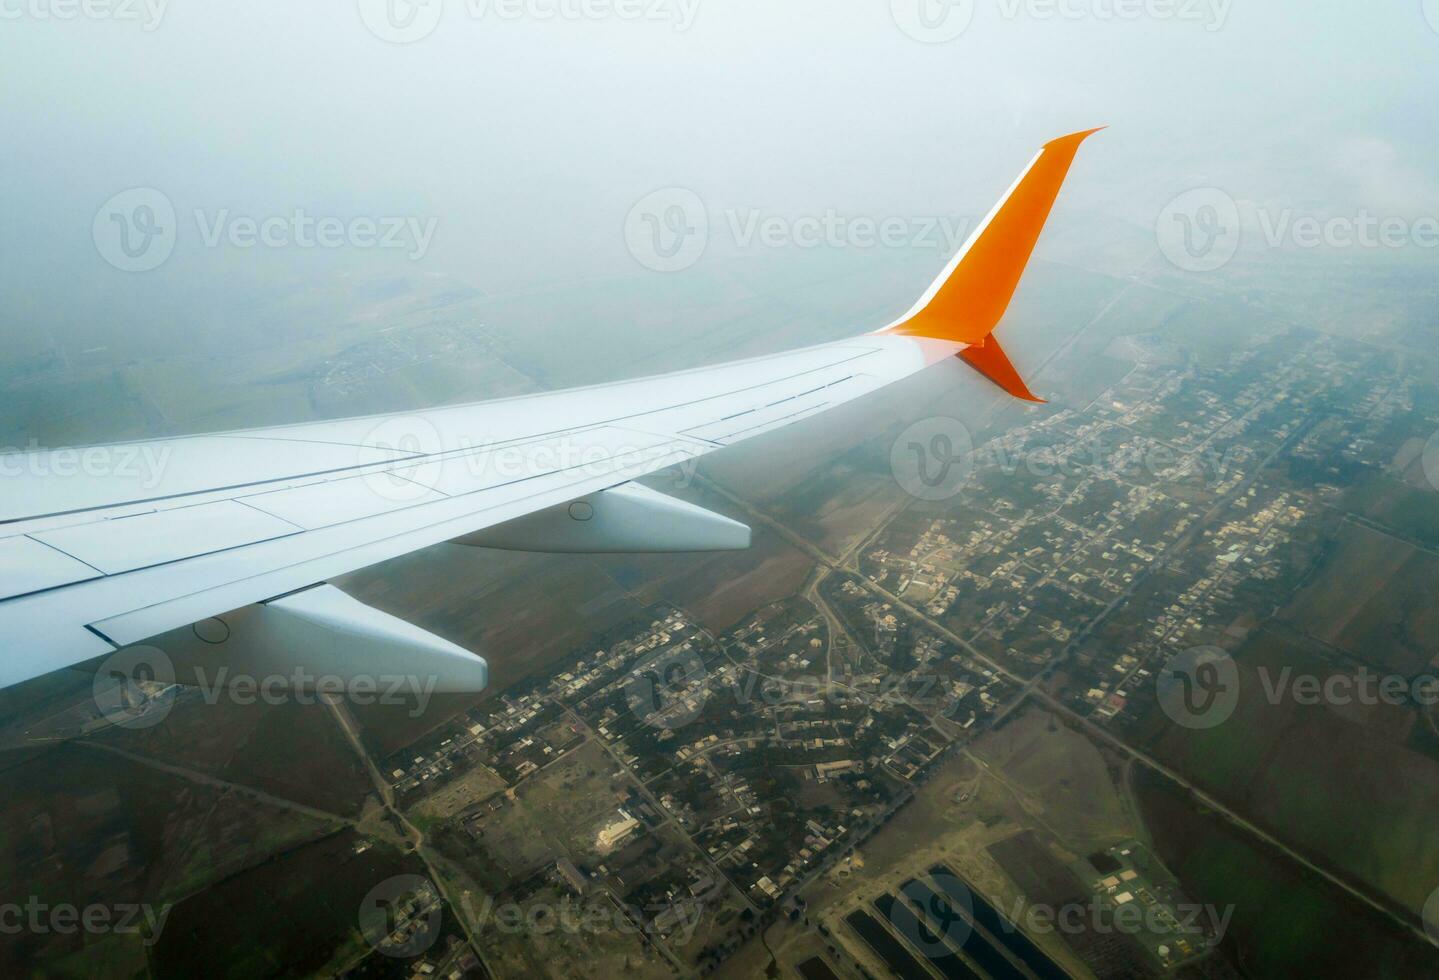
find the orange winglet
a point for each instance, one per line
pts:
(989, 360)
(966, 302)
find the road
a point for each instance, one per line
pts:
(1029, 689)
(386, 793)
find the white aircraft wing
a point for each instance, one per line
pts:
(104, 547)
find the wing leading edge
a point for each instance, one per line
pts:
(155, 536)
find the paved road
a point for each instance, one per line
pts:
(386, 793)
(1029, 689)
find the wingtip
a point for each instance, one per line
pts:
(970, 296)
(1074, 139)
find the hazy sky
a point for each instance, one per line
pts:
(515, 136)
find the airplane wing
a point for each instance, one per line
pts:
(108, 546)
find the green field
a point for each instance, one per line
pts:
(1287, 922)
(1312, 774)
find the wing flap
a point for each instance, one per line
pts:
(26, 566)
(325, 504)
(129, 543)
(67, 481)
